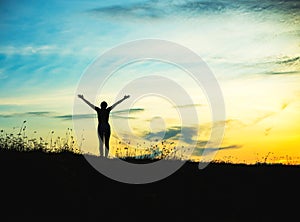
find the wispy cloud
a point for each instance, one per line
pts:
(188, 106)
(135, 10)
(29, 50)
(292, 60)
(119, 114)
(262, 117)
(284, 105)
(190, 8)
(125, 114)
(259, 117)
(243, 6)
(2, 74)
(282, 72)
(287, 65)
(161, 9)
(116, 114)
(77, 116)
(198, 151)
(270, 114)
(28, 114)
(231, 124)
(267, 131)
(128, 111)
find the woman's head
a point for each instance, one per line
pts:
(103, 105)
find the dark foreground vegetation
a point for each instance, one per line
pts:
(64, 185)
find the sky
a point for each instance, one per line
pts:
(252, 48)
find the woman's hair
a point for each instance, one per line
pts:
(103, 105)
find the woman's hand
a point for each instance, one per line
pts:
(126, 97)
(80, 96)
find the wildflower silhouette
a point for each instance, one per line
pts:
(103, 125)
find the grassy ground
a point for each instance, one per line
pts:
(39, 184)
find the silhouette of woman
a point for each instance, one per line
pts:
(103, 125)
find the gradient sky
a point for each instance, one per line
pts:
(252, 47)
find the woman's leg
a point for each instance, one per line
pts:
(107, 137)
(101, 137)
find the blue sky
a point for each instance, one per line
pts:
(48, 46)
(252, 48)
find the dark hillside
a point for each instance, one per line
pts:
(35, 184)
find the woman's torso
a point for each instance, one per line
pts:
(103, 117)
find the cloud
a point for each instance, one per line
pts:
(115, 114)
(2, 74)
(122, 117)
(42, 113)
(267, 131)
(160, 9)
(196, 7)
(235, 123)
(170, 133)
(28, 50)
(287, 65)
(188, 106)
(191, 8)
(48, 114)
(262, 117)
(289, 60)
(176, 132)
(269, 114)
(198, 151)
(242, 6)
(70, 116)
(28, 114)
(77, 116)
(231, 123)
(128, 111)
(282, 73)
(136, 10)
(284, 105)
